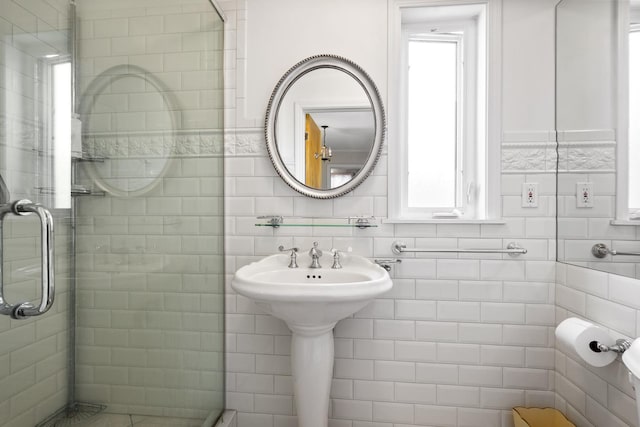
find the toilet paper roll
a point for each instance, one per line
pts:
(577, 336)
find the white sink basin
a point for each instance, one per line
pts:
(311, 297)
(311, 301)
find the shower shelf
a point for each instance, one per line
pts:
(277, 221)
(75, 191)
(89, 159)
(82, 191)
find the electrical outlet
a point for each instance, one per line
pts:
(584, 194)
(530, 195)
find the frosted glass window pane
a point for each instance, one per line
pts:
(634, 120)
(432, 124)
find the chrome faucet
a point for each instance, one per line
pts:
(293, 260)
(336, 259)
(315, 255)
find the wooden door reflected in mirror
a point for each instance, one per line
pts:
(313, 144)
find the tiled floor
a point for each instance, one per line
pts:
(115, 420)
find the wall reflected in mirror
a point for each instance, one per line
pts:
(337, 142)
(325, 128)
(597, 97)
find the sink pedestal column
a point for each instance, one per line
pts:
(312, 370)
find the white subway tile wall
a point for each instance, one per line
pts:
(33, 356)
(594, 397)
(590, 156)
(458, 341)
(150, 283)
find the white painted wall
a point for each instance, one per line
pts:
(355, 29)
(528, 71)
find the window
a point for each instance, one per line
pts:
(439, 123)
(61, 133)
(434, 118)
(55, 145)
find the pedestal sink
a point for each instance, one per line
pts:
(311, 301)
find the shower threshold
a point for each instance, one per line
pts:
(103, 419)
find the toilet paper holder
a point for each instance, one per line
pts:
(620, 346)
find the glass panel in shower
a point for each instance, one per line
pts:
(35, 112)
(150, 279)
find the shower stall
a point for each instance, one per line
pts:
(111, 213)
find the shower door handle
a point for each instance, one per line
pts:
(27, 309)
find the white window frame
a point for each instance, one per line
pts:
(488, 196)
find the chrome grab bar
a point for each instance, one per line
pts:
(27, 309)
(600, 250)
(512, 249)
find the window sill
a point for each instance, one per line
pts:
(625, 222)
(443, 221)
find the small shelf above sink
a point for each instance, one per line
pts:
(277, 221)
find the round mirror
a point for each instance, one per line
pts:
(325, 126)
(129, 123)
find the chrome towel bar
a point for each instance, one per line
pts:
(513, 249)
(600, 250)
(27, 309)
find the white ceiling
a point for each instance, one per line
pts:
(348, 130)
(417, 15)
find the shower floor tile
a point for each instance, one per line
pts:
(142, 421)
(108, 420)
(115, 420)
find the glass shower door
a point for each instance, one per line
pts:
(136, 328)
(150, 276)
(35, 165)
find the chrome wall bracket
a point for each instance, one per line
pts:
(619, 347)
(387, 262)
(79, 190)
(273, 220)
(362, 222)
(600, 250)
